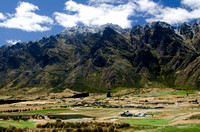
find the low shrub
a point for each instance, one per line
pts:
(86, 126)
(194, 117)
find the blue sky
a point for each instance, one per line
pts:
(25, 20)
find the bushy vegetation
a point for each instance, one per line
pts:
(16, 110)
(194, 117)
(12, 129)
(85, 126)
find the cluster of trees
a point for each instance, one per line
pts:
(85, 126)
(12, 129)
(16, 110)
(21, 110)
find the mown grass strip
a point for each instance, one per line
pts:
(17, 124)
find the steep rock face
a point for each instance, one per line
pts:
(105, 65)
(97, 59)
(191, 34)
(190, 76)
(160, 51)
(187, 31)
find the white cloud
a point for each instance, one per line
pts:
(13, 42)
(106, 1)
(102, 1)
(99, 12)
(156, 12)
(95, 14)
(107, 11)
(2, 17)
(25, 19)
(194, 4)
(148, 6)
(66, 20)
(172, 16)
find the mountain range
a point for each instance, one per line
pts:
(101, 58)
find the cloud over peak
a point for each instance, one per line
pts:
(107, 1)
(2, 17)
(194, 4)
(25, 19)
(13, 42)
(125, 12)
(176, 15)
(97, 14)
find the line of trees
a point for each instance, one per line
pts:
(85, 126)
(26, 109)
(15, 110)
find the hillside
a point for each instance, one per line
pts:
(98, 59)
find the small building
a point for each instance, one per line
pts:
(127, 114)
(140, 115)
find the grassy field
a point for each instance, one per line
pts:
(17, 124)
(46, 111)
(176, 128)
(157, 122)
(183, 92)
(179, 128)
(155, 94)
(77, 110)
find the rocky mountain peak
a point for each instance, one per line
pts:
(197, 22)
(79, 30)
(138, 29)
(196, 26)
(160, 24)
(186, 30)
(91, 29)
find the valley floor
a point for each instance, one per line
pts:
(154, 109)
